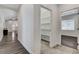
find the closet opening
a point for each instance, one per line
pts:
(45, 28)
(69, 28)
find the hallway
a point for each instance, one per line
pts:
(9, 46)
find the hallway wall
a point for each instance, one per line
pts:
(26, 22)
(29, 30)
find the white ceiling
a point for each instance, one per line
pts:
(7, 14)
(9, 11)
(14, 7)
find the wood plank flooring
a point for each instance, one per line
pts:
(59, 49)
(11, 46)
(69, 41)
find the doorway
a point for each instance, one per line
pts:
(45, 27)
(69, 29)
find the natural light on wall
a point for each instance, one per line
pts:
(69, 19)
(68, 24)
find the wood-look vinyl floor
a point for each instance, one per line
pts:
(69, 41)
(59, 49)
(11, 46)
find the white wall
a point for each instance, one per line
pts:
(1, 27)
(26, 21)
(29, 34)
(13, 7)
(36, 32)
(12, 26)
(65, 7)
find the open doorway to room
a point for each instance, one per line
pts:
(69, 28)
(45, 28)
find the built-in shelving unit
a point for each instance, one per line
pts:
(45, 24)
